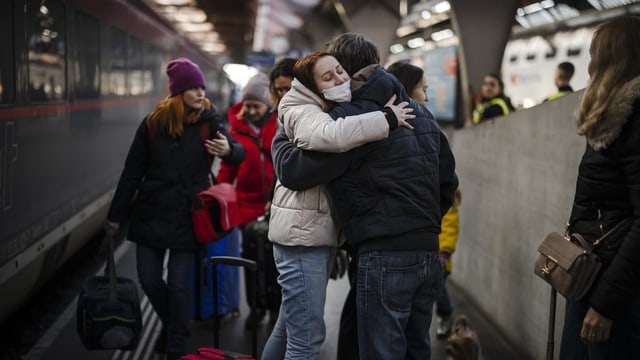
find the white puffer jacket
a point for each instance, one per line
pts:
(303, 218)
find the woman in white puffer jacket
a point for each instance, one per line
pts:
(304, 234)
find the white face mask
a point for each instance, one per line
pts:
(338, 93)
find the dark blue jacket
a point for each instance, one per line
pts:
(388, 194)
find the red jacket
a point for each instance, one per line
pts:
(254, 176)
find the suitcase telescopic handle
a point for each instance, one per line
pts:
(253, 268)
(235, 261)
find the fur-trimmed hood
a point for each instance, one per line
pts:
(617, 115)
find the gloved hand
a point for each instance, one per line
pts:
(340, 264)
(444, 257)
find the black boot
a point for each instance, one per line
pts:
(260, 313)
(174, 355)
(161, 342)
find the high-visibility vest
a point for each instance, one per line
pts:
(558, 94)
(479, 110)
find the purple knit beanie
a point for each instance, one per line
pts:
(184, 75)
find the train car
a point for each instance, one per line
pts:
(529, 64)
(76, 79)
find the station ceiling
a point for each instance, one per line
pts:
(243, 26)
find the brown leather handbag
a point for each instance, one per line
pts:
(568, 263)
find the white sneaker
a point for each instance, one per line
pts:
(444, 326)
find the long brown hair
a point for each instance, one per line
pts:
(303, 70)
(170, 116)
(615, 55)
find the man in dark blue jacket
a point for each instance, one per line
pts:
(389, 198)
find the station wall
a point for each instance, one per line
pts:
(517, 177)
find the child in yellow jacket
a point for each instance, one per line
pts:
(448, 238)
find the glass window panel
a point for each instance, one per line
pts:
(47, 50)
(6, 60)
(136, 76)
(87, 68)
(114, 63)
(152, 69)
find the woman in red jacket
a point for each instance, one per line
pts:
(253, 124)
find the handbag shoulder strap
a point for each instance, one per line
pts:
(110, 269)
(611, 231)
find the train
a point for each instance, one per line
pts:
(531, 56)
(76, 79)
(529, 64)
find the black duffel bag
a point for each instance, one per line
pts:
(108, 312)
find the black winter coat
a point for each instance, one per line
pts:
(163, 174)
(408, 178)
(608, 191)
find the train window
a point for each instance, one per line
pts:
(573, 51)
(153, 69)
(136, 76)
(551, 53)
(47, 50)
(531, 56)
(513, 58)
(87, 66)
(6, 60)
(114, 62)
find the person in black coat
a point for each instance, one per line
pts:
(168, 162)
(605, 323)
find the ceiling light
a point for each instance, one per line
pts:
(205, 36)
(190, 14)
(441, 7)
(174, 2)
(442, 34)
(405, 30)
(396, 48)
(306, 3)
(195, 27)
(214, 47)
(415, 42)
(239, 73)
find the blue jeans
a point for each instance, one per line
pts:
(395, 295)
(170, 300)
(623, 344)
(300, 330)
(444, 307)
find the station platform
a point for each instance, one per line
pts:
(62, 342)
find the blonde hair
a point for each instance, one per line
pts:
(615, 55)
(170, 116)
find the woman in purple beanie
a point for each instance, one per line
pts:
(167, 164)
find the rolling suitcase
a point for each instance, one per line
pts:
(228, 279)
(256, 246)
(214, 353)
(108, 310)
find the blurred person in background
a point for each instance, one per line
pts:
(564, 73)
(253, 124)
(493, 102)
(412, 79)
(415, 83)
(280, 79)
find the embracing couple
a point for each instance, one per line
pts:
(357, 160)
